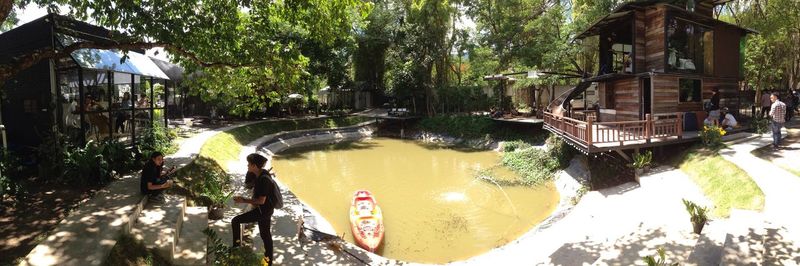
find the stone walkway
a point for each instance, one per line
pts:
(88, 234)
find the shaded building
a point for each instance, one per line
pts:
(90, 95)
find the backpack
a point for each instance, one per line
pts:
(275, 197)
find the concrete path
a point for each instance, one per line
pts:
(290, 246)
(781, 188)
(616, 226)
(88, 234)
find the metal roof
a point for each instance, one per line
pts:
(626, 8)
(136, 63)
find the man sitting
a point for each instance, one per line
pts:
(153, 182)
(728, 121)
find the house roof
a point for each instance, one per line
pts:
(37, 34)
(173, 71)
(625, 9)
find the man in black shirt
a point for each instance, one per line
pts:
(152, 181)
(262, 213)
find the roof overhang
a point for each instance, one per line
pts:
(111, 60)
(706, 19)
(625, 9)
(604, 23)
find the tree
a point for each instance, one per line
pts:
(250, 45)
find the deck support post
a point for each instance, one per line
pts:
(589, 131)
(648, 123)
(679, 126)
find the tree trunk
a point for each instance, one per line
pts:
(5, 9)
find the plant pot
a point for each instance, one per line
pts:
(216, 213)
(698, 227)
(637, 173)
(646, 169)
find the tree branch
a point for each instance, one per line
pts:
(7, 71)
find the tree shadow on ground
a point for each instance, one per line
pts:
(627, 250)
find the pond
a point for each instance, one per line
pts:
(435, 208)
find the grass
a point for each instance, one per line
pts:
(727, 185)
(131, 252)
(225, 147)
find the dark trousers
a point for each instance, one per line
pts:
(264, 222)
(765, 111)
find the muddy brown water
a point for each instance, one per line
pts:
(435, 209)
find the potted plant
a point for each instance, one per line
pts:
(697, 216)
(217, 198)
(658, 261)
(641, 163)
(216, 209)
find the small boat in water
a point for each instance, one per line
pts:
(366, 221)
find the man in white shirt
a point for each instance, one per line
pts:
(728, 121)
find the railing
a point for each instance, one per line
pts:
(589, 132)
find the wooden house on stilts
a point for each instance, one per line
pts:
(659, 61)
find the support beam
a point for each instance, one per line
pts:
(624, 156)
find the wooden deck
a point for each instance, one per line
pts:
(592, 137)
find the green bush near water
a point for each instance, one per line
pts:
(535, 165)
(460, 126)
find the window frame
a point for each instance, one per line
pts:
(680, 99)
(671, 15)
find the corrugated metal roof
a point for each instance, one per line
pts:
(136, 63)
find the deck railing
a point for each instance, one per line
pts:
(589, 132)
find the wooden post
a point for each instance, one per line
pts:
(589, 130)
(679, 126)
(648, 122)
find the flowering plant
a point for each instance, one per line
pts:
(712, 136)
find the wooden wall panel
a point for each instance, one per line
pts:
(726, 52)
(640, 33)
(654, 44)
(666, 93)
(627, 98)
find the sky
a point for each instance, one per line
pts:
(33, 12)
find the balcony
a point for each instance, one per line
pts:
(591, 137)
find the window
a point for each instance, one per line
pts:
(689, 47)
(690, 90)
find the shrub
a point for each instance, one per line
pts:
(86, 165)
(227, 255)
(642, 160)
(560, 150)
(204, 180)
(712, 136)
(157, 138)
(661, 261)
(10, 167)
(535, 165)
(511, 146)
(460, 126)
(120, 157)
(760, 125)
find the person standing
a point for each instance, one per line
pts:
(262, 213)
(778, 113)
(765, 103)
